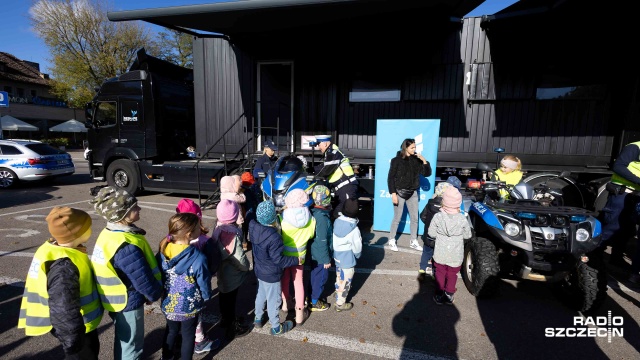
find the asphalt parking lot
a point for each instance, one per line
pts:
(394, 316)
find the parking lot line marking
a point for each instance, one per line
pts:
(44, 208)
(400, 249)
(353, 345)
(11, 281)
(16, 253)
(173, 211)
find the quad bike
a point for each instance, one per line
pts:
(531, 236)
(288, 173)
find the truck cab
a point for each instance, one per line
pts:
(141, 124)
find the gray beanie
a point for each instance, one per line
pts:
(112, 204)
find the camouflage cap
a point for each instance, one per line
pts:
(113, 204)
(321, 195)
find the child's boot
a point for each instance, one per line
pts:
(301, 316)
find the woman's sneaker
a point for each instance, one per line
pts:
(391, 244)
(206, 345)
(283, 328)
(415, 245)
(319, 306)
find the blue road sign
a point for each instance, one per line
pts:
(4, 99)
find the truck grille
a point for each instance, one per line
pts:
(559, 242)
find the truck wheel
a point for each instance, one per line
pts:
(480, 268)
(7, 178)
(585, 288)
(122, 174)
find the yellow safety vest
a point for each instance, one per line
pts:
(295, 239)
(512, 178)
(112, 291)
(634, 167)
(34, 310)
(345, 167)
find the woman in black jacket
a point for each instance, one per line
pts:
(403, 181)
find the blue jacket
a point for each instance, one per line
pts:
(321, 244)
(134, 271)
(347, 242)
(267, 253)
(187, 284)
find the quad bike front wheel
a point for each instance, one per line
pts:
(480, 268)
(585, 288)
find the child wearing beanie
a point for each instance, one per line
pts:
(269, 262)
(426, 216)
(234, 266)
(59, 272)
(450, 228)
(298, 226)
(206, 246)
(347, 247)
(126, 269)
(320, 247)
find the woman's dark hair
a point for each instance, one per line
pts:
(405, 144)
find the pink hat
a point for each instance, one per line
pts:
(228, 184)
(451, 200)
(296, 198)
(227, 212)
(189, 206)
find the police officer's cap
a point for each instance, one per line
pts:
(323, 138)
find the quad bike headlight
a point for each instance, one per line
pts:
(512, 229)
(278, 199)
(582, 235)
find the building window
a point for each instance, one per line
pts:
(34, 93)
(364, 91)
(20, 92)
(583, 92)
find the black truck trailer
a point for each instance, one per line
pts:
(537, 79)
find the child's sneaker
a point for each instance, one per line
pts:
(447, 298)
(344, 307)
(206, 345)
(283, 328)
(258, 323)
(415, 245)
(422, 275)
(319, 306)
(438, 299)
(391, 244)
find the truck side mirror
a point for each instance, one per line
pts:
(88, 113)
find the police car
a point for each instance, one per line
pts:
(28, 160)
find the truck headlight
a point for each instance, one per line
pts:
(582, 235)
(512, 229)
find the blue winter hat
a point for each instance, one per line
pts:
(266, 213)
(271, 145)
(322, 138)
(453, 180)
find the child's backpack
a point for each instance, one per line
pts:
(426, 215)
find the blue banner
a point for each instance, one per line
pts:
(4, 99)
(389, 137)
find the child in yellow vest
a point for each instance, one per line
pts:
(59, 272)
(509, 172)
(298, 226)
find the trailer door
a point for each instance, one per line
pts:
(275, 104)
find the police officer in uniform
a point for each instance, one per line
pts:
(338, 172)
(621, 213)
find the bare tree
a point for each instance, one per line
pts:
(86, 47)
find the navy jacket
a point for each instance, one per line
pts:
(264, 164)
(323, 240)
(268, 261)
(134, 271)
